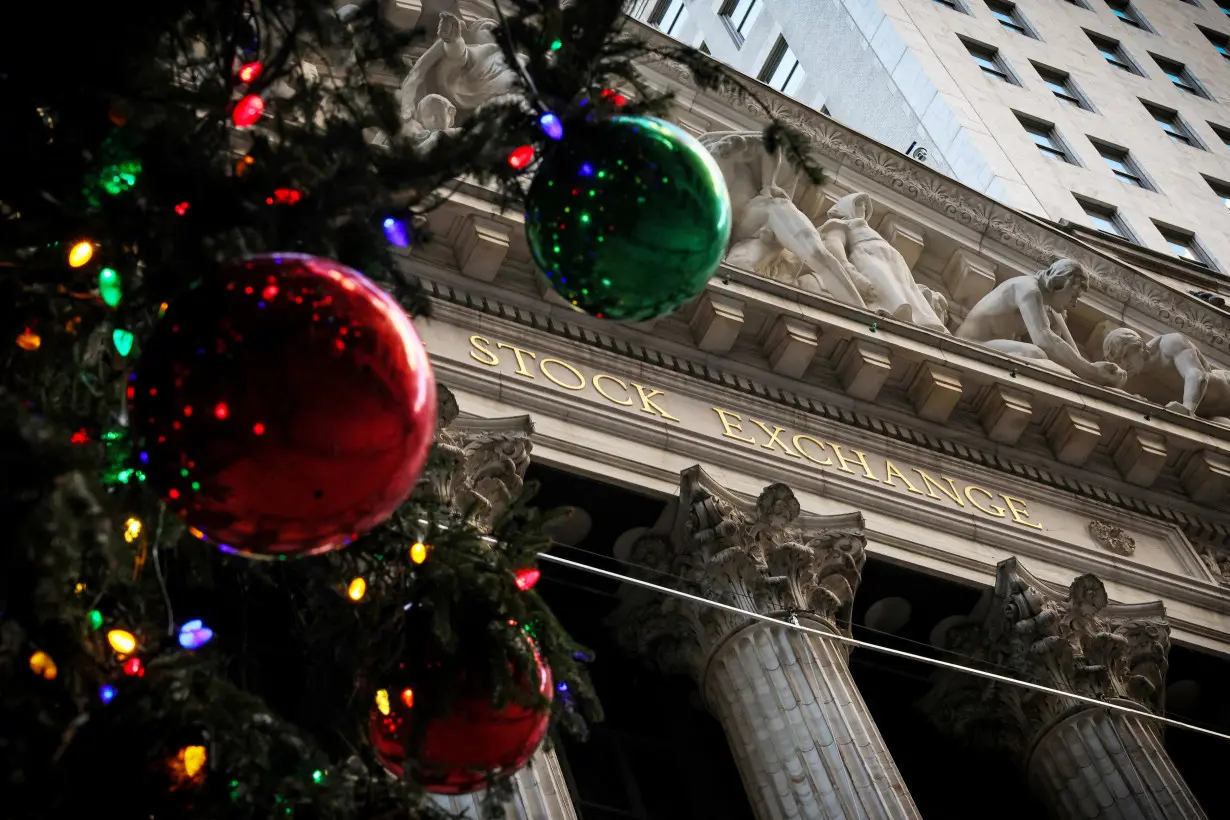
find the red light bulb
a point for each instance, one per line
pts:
(248, 110)
(248, 72)
(527, 577)
(521, 157)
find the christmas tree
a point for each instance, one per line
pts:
(145, 668)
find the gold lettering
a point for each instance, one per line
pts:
(729, 428)
(608, 396)
(648, 406)
(477, 343)
(828, 462)
(521, 371)
(542, 365)
(773, 438)
(892, 471)
(1020, 515)
(994, 509)
(860, 459)
(932, 485)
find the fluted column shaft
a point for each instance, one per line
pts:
(802, 737)
(1099, 764)
(540, 793)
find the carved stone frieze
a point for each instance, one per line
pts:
(1073, 640)
(478, 465)
(1218, 562)
(1111, 537)
(762, 556)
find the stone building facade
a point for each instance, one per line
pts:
(964, 422)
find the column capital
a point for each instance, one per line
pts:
(763, 555)
(478, 465)
(1071, 639)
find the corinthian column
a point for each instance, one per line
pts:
(1085, 761)
(801, 735)
(477, 469)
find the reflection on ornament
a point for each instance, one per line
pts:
(418, 552)
(551, 126)
(96, 619)
(122, 339)
(395, 231)
(521, 157)
(194, 634)
(248, 72)
(106, 693)
(357, 589)
(614, 97)
(29, 340)
(182, 208)
(42, 665)
(248, 110)
(122, 641)
(382, 701)
(80, 254)
(134, 668)
(241, 167)
(187, 768)
(527, 577)
(132, 530)
(109, 287)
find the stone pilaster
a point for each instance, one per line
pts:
(799, 730)
(478, 468)
(1086, 761)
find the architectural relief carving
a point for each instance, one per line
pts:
(1178, 365)
(465, 65)
(478, 465)
(862, 251)
(1111, 537)
(1218, 562)
(1075, 641)
(770, 235)
(763, 556)
(433, 116)
(1033, 306)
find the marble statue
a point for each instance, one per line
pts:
(769, 234)
(1206, 389)
(1034, 306)
(862, 251)
(433, 116)
(465, 65)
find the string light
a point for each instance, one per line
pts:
(194, 634)
(551, 126)
(29, 340)
(318, 777)
(357, 589)
(248, 110)
(407, 697)
(188, 766)
(182, 208)
(122, 339)
(241, 167)
(42, 665)
(132, 529)
(221, 410)
(617, 99)
(248, 72)
(521, 157)
(122, 641)
(80, 254)
(395, 231)
(557, 44)
(284, 196)
(418, 552)
(382, 701)
(106, 693)
(527, 577)
(134, 668)
(109, 287)
(79, 437)
(96, 619)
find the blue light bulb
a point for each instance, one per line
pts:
(106, 693)
(551, 126)
(194, 634)
(395, 231)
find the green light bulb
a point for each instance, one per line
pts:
(122, 339)
(96, 619)
(109, 286)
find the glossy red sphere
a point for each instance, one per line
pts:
(462, 749)
(283, 406)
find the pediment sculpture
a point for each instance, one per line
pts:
(465, 65)
(1033, 307)
(1178, 368)
(434, 116)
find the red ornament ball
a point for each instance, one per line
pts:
(283, 406)
(462, 749)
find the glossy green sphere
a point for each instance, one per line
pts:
(628, 217)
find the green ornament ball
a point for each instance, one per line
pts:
(628, 217)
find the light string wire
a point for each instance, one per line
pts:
(855, 642)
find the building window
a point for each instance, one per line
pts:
(1222, 189)
(1128, 14)
(1222, 133)
(668, 16)
(951, 4)
(1062, 86)
(1183, 244)
(704, 48)
(739, 15)
(1010, 17)
(1114, 53)
(1046, 138)
(781, 69)
(1122, 164)
(1080, 4)
(1220, 41)
(1224, 5)
(1172, 124)
(1105, 218)
(1180, 76)
(988, 59)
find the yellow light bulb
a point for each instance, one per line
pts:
(122, 641)
(194, 758)
(407, 697)
(382, 701)
(357, 589)
(80, 588)
(80, 253)
(418, 552)
(132, 530)
(42, 665)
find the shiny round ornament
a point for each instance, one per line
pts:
(628, 217)
(460, 750)
(283, 406)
